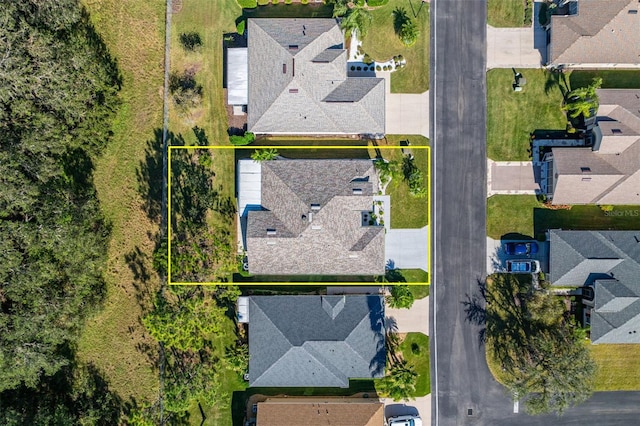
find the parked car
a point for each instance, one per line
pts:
(520, 249)
(404, 421)
(523, 266)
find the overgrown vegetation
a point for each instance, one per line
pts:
(58, 95)
(400, 296)
(245, 139)
(265, 154)
(533, 342)
(190, 41)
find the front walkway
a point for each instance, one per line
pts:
(512, 178)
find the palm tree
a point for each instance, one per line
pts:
(400, 382)
(260, 155)
(357, 19)
(409, 33)
(583, 100)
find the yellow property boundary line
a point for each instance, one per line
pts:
(282, 147)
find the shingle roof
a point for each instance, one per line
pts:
(614, 170)
(603, 32)
(315, 341)
(610, 261)
(313, 209)
(298, 81)
(318, 411)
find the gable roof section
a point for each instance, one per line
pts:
(603, 32)
(294, 66)
(319, 341)
(614, 169)
(314, 211)
(320, 412)
(610, 261)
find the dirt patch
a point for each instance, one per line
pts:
(176, 6)
(192, 69)
(237, 123)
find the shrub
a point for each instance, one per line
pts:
(240, 27)
(409, 33)
(353, 68)
(367, 59)
(378, 68)
(263, 2)
(242, 140)
(184, 89)
(304, 1)
(190, 41)
(400, 297)
(359, 68)
(287, 1)
(248, 4)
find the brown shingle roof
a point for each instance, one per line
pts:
(320, 412)
(603, 32)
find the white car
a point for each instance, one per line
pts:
(404, 421)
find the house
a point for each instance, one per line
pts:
(314, 341)
(595, 34)
(320, 412)
(607, 265)
(310, 217)
(608, 171)
(298, 84)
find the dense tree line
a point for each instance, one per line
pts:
(58, 95)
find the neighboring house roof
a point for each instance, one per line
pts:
(610, 175)
(312, 220)
(603, 32)
(610, 261)
(315, 341)
(315, 411)
(298, 81)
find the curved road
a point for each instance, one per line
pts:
(463, 390)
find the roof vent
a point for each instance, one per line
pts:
(633, 12)
(586, 179)
(616, 131)
(293, 47)
(315, 206)
(357, 191)
(585, 169)
(284, 68)
(271, 231)
(293, 90)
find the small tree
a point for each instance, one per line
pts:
(267, 154)
(400, 382)
(583, 100)
(242, 140)
(409, 33)
(400, 297)
(357, 19)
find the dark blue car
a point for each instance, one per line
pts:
(520, 249)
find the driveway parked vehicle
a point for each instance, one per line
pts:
(404, 421)
(520, 249)
(523, 266)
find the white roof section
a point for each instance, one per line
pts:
(249, 186)
(237, 76)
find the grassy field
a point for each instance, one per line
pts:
(512, 116)
(506, 13)
(381, 43)
(417, 275)
(618, 367)
(415, 350)
(611, 79)
(523, 214)
(114, 339)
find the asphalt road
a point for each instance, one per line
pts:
(463, 390)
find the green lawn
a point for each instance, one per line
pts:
(415, 350)
(512, 116)
(282, 10)
(506, 13)
(381, 43)
(114, 340)
(523, 214)
(611, 79)
(618, 367)
(418, 291)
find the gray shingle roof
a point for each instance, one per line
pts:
(314, 211)
(603, 32)
(295, 65)
(315, 341)
(610, 261)
(614, 175)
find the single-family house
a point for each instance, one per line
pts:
(608, 171)
(320, 411)
(595, 34)
(310, 217)
(297, 84)
(314, 341)
(607, 265)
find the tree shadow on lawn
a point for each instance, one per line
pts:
(557, 80)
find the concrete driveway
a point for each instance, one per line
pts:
(405, 113)
(420, 406)
(511, 177)
(411, 320)
(513, 48)
(407, 248)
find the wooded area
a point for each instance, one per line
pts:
(58, 95)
